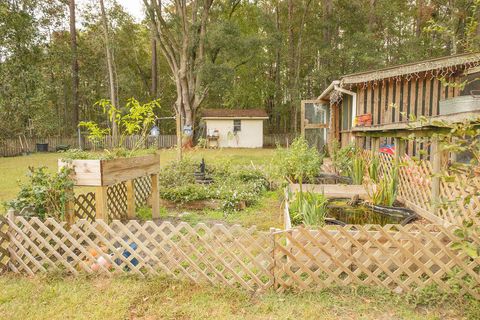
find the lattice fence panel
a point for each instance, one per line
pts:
(85, 206)
(415, 182)
(117, 201)
(217, 254)
(143, 189)
(395, 257)
(459, 198)
(4, 242)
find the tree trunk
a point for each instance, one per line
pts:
(184, 50)
(153, 45)
(111, 76)
(291, 65)
(75, 80)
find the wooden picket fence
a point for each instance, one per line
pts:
(14, 147)
(394, 257)
(458, 194)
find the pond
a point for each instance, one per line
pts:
(339, 209)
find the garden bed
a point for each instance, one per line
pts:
(105, 172)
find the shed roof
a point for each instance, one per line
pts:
(468, 59)
(234, 113)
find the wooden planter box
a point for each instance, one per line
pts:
(108, 172)
(104, 173)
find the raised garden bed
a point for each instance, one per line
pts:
(108, 172)
(102, 173)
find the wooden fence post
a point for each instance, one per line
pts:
(70, 208)
(5, 234)
(101, 204)
(155, 197)
(130, 199)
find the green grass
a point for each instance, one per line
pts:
(161, 298)
(14, 169)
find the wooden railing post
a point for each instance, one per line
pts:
(399, 149)
(130, 199)
(101, 204)
(155, 197)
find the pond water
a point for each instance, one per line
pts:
(362, 214)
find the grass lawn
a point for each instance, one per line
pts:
(161, 298)
(14, 169)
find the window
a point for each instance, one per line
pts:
(237, 125)
(346, 113)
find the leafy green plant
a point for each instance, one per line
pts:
(46, 194)
(385, 192)
(374, 168)
(298, 163)
(343, 159)
(234, 186)
(137, 121)
(358, 168)
(309, 208)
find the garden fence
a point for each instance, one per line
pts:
(15, 147)
(399, 258)
(458, 193)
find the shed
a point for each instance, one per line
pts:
(234, 128)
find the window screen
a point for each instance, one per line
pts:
(237, 125)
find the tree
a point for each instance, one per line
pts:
(110, 67)
(75, 79)
(181, 34)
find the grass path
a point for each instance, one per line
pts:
(160, 298)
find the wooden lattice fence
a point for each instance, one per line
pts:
(4, 243)
(415, 189)
(217, 254)
(399, 258)
(84, 204)
(394, 257)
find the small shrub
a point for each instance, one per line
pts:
(343, 159)
(309, 208)
(45, 193)
(385, 192)
(358, 169)
(374, 168)
(299, 163)
(234, 186)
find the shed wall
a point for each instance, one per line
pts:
(250, 136)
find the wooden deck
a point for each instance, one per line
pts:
(334, 190)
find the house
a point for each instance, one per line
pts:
(234, 128)
(375, 107)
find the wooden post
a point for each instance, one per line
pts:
(436, 159)
(399, 149)
(130, 199)
(155, 197)
(70, 208)
(375, 144)
(101, 205)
